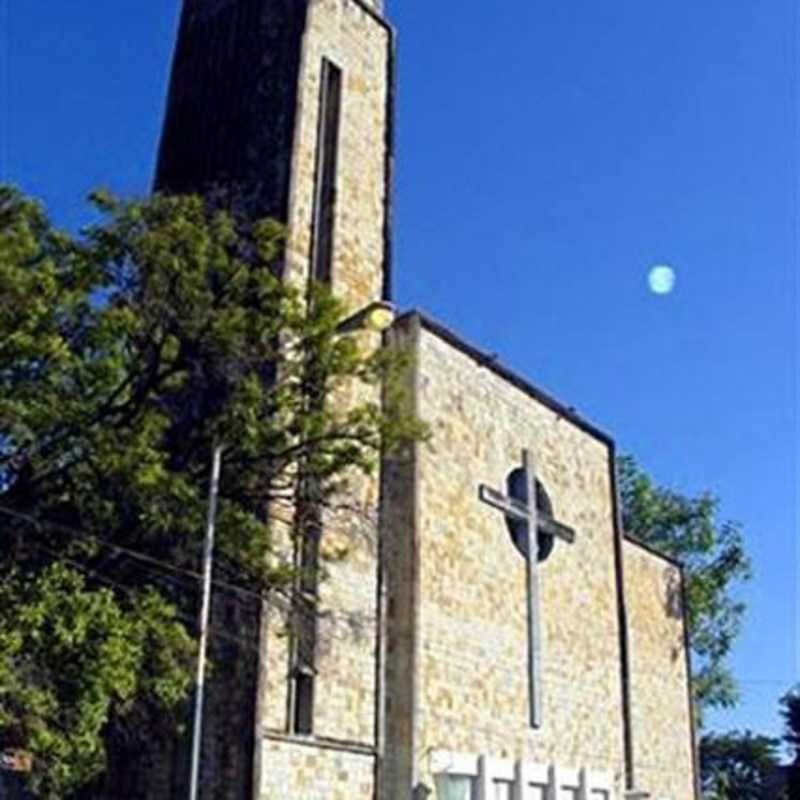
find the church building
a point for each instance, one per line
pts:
(500, 638)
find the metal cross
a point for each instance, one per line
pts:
(526, 511)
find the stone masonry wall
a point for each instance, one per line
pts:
(342, 31)
(230, 119)
(399, 530)
(470, 662)
(242, 118)
(302, 773)
(661, 716)
(345, 687)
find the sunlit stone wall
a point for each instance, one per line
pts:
(661, 713)
(339, 759)
(458, 626)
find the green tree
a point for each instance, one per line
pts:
(69, 653)
(738, 766)
(712, 551)
(125, 354)
(790, 711)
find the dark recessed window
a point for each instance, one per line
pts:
(327, 159)
(304, 668)
(305, 610)
(303, 722)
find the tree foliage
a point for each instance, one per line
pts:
(790, 711)
(713, 554)
(738, 766)
(69, 654)
(125, 354)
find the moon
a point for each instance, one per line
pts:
(661, 279)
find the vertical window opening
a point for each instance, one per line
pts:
(305, 667)
(304, 704)
(305, 610)
(308, 561)
(326, 169)
(310, 529)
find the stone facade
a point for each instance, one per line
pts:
(242, 120)
(659, 673)
(230, 118)
(313, 773)
(340, 761)
(421, 668)
(242, 124)
(344, 32)
(457, 634)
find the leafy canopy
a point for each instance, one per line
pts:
(125, 354)
(790, 711)
(69, 654)
(715, 560)
(738, 766)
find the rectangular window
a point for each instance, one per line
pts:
(450, 786)
(326, 168)
(305, 609)
(502, 790)
(308, 560)
(303, 703)
(304, 664)
(310, 528)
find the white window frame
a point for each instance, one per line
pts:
(556, 782)
(444, 762)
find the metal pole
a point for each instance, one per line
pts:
(534, 605)
(208, 556)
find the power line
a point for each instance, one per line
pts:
(766, 681)
(136, 554)
(188, 573)
(604, 757)
(151, 562)
(130, 592)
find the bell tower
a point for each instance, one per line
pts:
(284, 109)
(285, 106)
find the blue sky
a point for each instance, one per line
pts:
(549, 154)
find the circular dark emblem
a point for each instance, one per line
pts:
(517, 486)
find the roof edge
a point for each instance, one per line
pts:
(489, 361)
(654, 551)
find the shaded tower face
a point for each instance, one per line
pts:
(285, 106)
